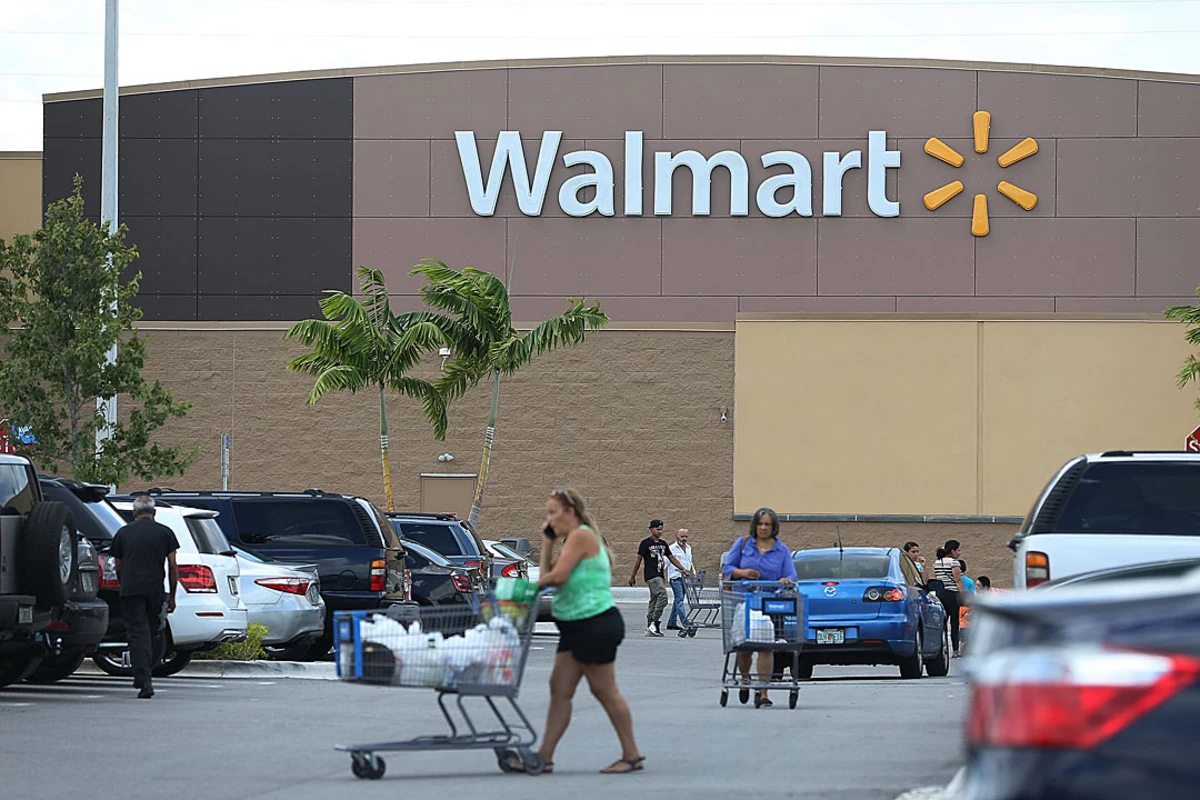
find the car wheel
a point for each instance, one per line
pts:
(16, 668)
(54, 668)
(48, 549)
(320, 649)
(940, 666)
(172, 663)
(914, 666)
(112, 662)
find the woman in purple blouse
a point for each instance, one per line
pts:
(759, 556)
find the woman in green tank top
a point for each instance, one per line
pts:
(590, 626)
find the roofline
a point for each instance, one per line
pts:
(593, 61)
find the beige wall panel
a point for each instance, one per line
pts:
(903, 102)
(739, 100)
(430, 105)
(1031, 104)
(856, 417)
(598, 101)
(1128, 177)
(20, 195)
(391, 178)
(1168, 109)
(395, 245)
(739, 257)
(1055, 390)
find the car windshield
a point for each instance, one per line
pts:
(842, 566)
(504, 551)
(1132, 497)
(421, 557)
(313, 522)
(437, 536)
(107, 515)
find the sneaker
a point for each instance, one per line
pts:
(658, 628)
(673, 628)
(147, 691)
(650, 632)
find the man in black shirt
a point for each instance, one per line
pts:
(655, 553)
(141, 548)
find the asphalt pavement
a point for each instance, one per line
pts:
(858, 733)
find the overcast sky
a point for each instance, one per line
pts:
(58, 45)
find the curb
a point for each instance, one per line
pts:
(317, 671)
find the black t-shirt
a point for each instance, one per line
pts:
(143, 546)
(654, 556)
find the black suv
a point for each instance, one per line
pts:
(50, 615)
(438, 581)
(445, 534)
(359, 556)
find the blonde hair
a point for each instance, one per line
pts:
(574, 500)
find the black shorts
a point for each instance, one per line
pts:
(592, 640)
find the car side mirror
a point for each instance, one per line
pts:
(1015, 541)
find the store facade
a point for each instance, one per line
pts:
(885, 298)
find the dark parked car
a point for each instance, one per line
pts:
(438, 581)
(1088, 691)
(446, 534)
(50, 614)
(357, 552)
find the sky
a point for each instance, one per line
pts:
(58, 45)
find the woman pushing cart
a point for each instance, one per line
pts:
(761, 612)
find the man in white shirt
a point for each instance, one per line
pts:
(683, 554)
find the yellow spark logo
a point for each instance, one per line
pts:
(982, 122)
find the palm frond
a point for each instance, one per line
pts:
(336, 379)
(561, 331)
(463, 373)
(433, 404)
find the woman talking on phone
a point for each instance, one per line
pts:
(589, 624)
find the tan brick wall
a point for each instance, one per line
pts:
(630, 418)
(983, 544)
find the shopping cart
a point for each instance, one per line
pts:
(464, 651)
(703, 603)
(761, 616)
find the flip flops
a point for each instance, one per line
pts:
(634, 764)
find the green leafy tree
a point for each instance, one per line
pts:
(1190, 316)
(64, 305)
(362, 345)
(472, 309)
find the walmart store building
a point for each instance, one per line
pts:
(886, 299)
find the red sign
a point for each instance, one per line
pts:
(1192, 443)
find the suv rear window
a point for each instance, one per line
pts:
(845, 567)
(1133, 497)
(207, 535)
(314, 522)
(422, 558)
(16, 491)
(440, 537)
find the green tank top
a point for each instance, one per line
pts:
(588, 590)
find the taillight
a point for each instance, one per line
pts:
(108, 572)
(1069, 697)
(197, 579)
(883, 594)
(285, 585)
(1037, 568)
(462, 581)
(378, 576)
(407, 585)
(510, 571)
(473, 564)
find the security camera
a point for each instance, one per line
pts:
(724, 417)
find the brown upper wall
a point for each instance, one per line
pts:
(1114, 229)
(20, 193)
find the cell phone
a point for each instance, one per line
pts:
(548, 532)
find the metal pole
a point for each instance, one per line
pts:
(108, 186)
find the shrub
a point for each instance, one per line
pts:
(249, 650)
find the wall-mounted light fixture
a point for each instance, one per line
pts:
(445, 457)
(724, 415)
(445, 354)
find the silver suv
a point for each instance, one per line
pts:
(1109, 510)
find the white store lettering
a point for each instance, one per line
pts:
(509, 157)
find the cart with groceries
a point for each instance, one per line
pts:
(477, 651)
(761, 616)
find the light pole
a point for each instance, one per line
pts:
(108, 189)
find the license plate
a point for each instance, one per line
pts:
(233, 585)
(831, 636)
(25, 615)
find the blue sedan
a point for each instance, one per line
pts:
(868, 605)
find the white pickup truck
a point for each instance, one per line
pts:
(1109, 510)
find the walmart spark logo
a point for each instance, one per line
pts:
(943, 152)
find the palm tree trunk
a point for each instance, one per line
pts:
(383, 450)
(489, 438)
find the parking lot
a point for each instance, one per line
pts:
(858, 733)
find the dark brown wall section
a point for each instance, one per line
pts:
(238, 198)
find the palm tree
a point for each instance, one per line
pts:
(362, 344)
(477, 317)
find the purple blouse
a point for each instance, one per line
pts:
(773, 565)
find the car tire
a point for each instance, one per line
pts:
(48, 553)
(320, 649)
(54, 668)
(173, 662)
(16, 668)
(940, 667)
(109, 662)
(913, 666)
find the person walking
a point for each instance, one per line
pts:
(683, 555)
(589, 624)
(759, 556)
(144, 554)
(947, 570)
(655, 554)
